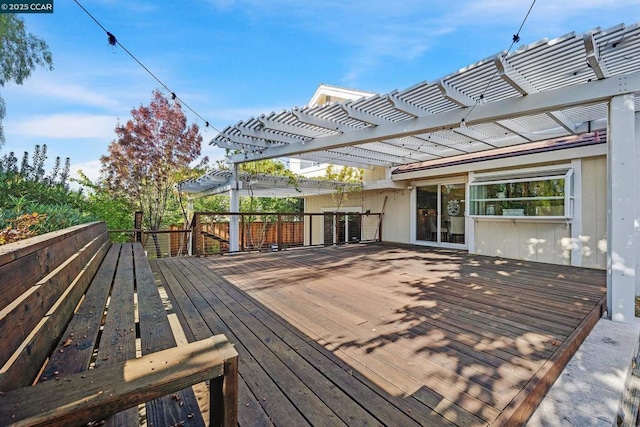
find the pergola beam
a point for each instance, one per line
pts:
(542, 102)
(295, 130)
(363, 116)
(564, 121)
(404, 106)
(310, 119)
(456, 96)
(593, 57)
(513, 77)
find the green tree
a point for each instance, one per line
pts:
(20, 54)
(34, 202)
(149, 150)
(102, 204)
(344, 177)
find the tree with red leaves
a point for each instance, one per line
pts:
(149, 151)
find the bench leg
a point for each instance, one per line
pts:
(223, 392)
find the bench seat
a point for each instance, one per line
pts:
(78, 307)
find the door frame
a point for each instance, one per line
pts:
(352, 209)
(462, 180)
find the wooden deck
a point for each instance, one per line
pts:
(386, 335)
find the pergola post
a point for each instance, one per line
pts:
(637, 204)
(622, 209)
(234, 206)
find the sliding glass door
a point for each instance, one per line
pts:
(440, 213)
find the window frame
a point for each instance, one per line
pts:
(557, 172)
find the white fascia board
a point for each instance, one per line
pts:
(509, 162)
(337, 92)
(384, 184)
(537, 103)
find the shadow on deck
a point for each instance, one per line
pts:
(378, 334)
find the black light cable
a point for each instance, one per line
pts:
(515, 39)
(113, 41)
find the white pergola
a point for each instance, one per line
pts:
(260, 185)
(573, 84)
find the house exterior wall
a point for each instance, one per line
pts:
(594, 212)
(394, 223)
(532, 241)
(541, 240)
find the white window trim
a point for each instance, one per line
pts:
(564, 171)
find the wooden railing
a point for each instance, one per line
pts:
(257, 231)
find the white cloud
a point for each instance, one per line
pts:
(77, 94)
(65, 125)
(90, 169)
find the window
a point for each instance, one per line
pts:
(538, 193)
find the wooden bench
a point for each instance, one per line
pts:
(84, 337)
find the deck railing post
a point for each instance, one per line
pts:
(242, 231)
(310, 230)
(137, 225)
(279, 232)
(195, 235)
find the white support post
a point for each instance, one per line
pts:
(621, 208)
(576, 222)
(637, 204)
(234, 206)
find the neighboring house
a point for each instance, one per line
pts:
(325, 94)
(528, 155)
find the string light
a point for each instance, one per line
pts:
(113, 41)
(515, 39)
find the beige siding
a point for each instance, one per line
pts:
(594, 212)
(375, 174)
(533, 241)
(395, 223)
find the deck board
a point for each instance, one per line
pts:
(385, 335)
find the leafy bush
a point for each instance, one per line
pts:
(20, 228)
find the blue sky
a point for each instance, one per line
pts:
(232, 59)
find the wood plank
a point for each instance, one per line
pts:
(118, 338)
(98, 393)
(18, 318)
(346, 373)
(73, 353)
(156, 335)
(29, 357)
(383, 358)
(348, 410)
(271, 396)
(493, 322)
(23, 264)
(195, 324)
